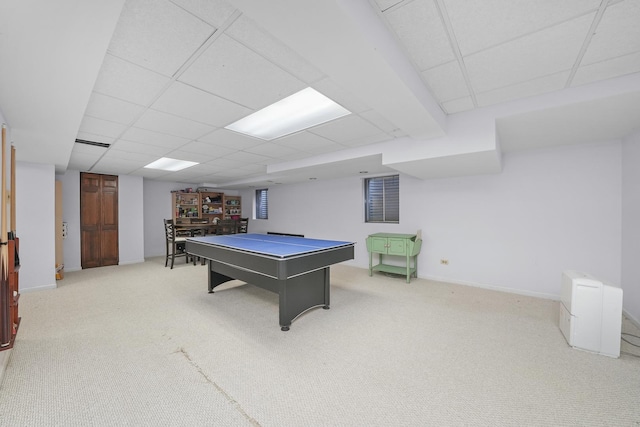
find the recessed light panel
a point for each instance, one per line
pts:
(168, 164)
(294, 113)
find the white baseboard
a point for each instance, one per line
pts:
(39, 288)
(131, 262)
(555, 297)
(632, 319)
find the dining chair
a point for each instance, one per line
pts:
(227, 226)
(175, 245)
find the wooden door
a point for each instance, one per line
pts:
(98, 220)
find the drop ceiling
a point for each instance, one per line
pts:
(436, 87)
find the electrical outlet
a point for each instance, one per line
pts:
(444, 261)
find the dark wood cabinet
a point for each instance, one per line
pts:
(98, 220)
(207, 206)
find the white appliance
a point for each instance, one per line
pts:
(591, 314)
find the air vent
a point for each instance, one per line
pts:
(94, 143)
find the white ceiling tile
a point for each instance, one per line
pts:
(224, 163)
(190, 156)
(101, 127)
(172, 125)
(233, 173)
(345, 129)
(607, 69)
(512, 49)
(232, 71)
(246, 157)
(618, 33)
(295, 155)
(343, 97)
(532, 87)
(419, 26)
(136, 147)
(117, 166)
(520, 60)
(386, 4)
(166, 176)
(157, 35)
(150, 173)
(458, 105)
(81, 161)
(89, 150)
(446, 81)
(200, 169)
(114, 154)
(112, 109)
(379, 121)
(144, 136)
(195, 104)
(214, 12)
(309, 142)
(231, 140)
(208, 149)
(270, 149)
(124, 80)
(479, 25)
(367, 140)
(187, 175)
(254, 168)
(249, 34)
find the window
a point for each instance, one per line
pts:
(382, 199)
(262, 204)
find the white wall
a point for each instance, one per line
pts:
(71, 215)
(130, 221)
(35, 225)
(157, 208)
(4, 355)
(631, 226)
(549, 210)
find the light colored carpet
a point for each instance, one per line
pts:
(143, 345)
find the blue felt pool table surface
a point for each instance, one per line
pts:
(271, 245)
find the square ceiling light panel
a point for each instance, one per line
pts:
(297, 112)
(168, 164)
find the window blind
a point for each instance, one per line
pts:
(262, 204)
(382, 199)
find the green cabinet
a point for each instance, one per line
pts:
(399, 245)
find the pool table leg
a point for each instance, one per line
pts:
(216, 279)
(301, 293)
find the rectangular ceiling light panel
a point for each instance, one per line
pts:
(294, 113)
(168, 164)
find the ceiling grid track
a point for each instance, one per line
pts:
(444, 16)
(196, 54)
(587, 41)
(177, 72)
